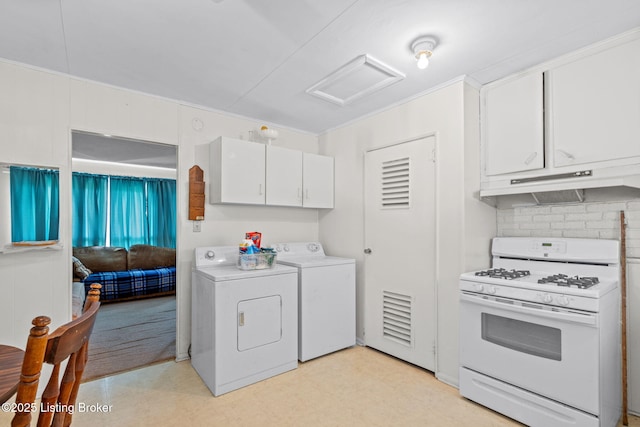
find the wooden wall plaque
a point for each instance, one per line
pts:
(196, 193)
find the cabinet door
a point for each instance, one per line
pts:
(317, 179)
(239, 167)
(284, 177)
(513, 125)
(595, 107)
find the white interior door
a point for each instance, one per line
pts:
(400, 246)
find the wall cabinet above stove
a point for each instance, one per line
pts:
(245, 172)
(573, 123)
(514, 125)
(595, 107)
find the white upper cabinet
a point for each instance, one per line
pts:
(318, 178)
(569, 124)
(513, 125)
(595, 107)
(244, 172)
(284, 177)
(237, 171)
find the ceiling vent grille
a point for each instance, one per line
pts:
(358, 78)
(396, 318)
(395, 190)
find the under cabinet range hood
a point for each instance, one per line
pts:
(572, 187)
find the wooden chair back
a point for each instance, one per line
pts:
(68, 342)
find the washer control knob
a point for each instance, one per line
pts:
(492, 290)
(563, 300)
(313, 247)
(278, 248)
(210, 255)
(546, 298)
(285, 247)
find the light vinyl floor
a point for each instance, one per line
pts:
(353, 387)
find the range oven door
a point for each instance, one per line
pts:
(550, 352)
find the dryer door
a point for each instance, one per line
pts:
(259, 322)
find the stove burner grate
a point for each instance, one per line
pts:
(502, 273)
(570, 281)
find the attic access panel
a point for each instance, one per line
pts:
(356, 79)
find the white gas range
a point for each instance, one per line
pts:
(539, 332)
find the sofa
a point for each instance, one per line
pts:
(140, 272)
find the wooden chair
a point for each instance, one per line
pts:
(68, 342)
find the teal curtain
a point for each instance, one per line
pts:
(89, 209)
(161, 211)
(34, 203)
(128, 225)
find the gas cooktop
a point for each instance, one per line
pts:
(580, 282)
(503, 273)
(570, 281)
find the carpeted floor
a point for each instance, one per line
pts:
(132, 334)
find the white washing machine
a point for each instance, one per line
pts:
(326, 298)
(244, 324)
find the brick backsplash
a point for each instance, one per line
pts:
(594, 220)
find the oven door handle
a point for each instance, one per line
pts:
(564, 316)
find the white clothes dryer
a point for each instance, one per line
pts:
(326, 298)
(244, 325)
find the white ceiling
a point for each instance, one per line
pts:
(257, 58)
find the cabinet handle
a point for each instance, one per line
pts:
(566, 154)
(241, 319)
(532, 156)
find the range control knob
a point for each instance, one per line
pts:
(563, 300)
(546, 298)
(479, 287)
(492, 290)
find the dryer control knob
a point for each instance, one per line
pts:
(313, 247)
(286, 248)
(210, 255)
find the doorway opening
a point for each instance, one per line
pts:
(124, 238)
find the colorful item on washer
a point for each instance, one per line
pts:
(255, 237)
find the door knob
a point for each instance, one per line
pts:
(367, 251)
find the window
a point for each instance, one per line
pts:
(34, 203)
(123, 211)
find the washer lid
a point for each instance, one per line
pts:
(315, 261)
(232, 272)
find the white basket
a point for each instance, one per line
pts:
(256, 261)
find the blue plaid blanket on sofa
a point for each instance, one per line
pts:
(117, 285)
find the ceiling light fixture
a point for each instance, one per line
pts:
(422, 48)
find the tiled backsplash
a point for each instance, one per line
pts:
(594, 220)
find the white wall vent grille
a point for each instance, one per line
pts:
(395, 190)
(396, 318)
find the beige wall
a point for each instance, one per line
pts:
(450, 113)
(38, 110)
(34, 123)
